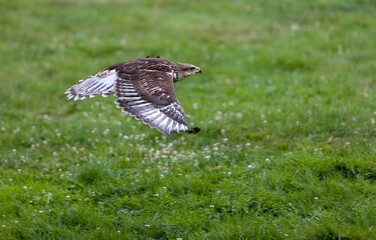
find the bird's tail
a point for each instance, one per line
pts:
(103, 83)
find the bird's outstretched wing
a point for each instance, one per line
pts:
(149, 96)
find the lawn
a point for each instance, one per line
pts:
(286, 104)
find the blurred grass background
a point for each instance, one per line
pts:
(286, 104)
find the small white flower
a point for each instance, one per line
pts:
(294, 27)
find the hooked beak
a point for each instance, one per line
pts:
(199, 70)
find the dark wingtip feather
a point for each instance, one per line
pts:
(149, 56)
(193, 130)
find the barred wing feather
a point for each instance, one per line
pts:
(149, 96)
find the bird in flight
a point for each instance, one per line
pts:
(144, 89)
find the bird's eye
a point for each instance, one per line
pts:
(192, 68)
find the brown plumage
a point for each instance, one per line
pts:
(144, 88)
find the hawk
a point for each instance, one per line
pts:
(144, 89)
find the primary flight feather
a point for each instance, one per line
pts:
(144, 88)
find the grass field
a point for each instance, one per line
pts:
(286, 104)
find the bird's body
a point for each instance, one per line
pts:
(144, 88)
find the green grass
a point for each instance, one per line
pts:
(286, 104)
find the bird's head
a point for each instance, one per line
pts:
(184, 70)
